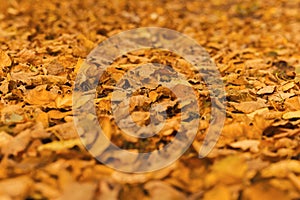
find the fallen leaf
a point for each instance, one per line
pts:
(291, 115)
(60, 145)
(293, 103)
(266, 90)
(160, 190)
(17, 187)
(47, 190)
(257, 112)
(79, 191)
(12, 114)
(108, 191)
(64, 101)
(281, 169)
(246, 144)
(280, 96)
(295, 180)
(249, 106)
(218, 192)
(222, 171)
(287, 86)
(56, 114)
(5, 61)
(5, 139)
(20, 142)
(263, 190)
(64, 131)
(40, 96)
(55, 68)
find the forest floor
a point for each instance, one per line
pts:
(256, 47)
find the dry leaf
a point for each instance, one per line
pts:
(288, 86)
(55, 68)
(218, 192)
(5, 139)
(20, 142)
(249, 106)
(222, 169)
(291, 115)
(44, 46)
(266, 90)
(12, 114)
(108, 191)
(281, 168)
(40, 96)
(159, 190)
(79, 191)
(247, 144)
(16, 188)
(60, 145)
(264, 191)
(257, 112)
(5, 61)
(64, 101)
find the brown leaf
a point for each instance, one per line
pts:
(249, 106)
(246, 144)
(16, 188)
(218, 192)
(40, 96)
(223, 172)
(55, 68)
(5, 139)
(64, 101)
(79, 191)
(12, 114)
(281, 168)
(108, 191)
(5, 61)
(263, 190)
(266, 90)
(20, 142)
(159, 190)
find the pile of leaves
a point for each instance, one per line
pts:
(255, 45)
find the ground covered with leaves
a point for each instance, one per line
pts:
(256, 47)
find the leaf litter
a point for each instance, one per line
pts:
(255, 45)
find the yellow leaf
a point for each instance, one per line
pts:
(291, 115)
(281, 169)
(5, 61)
(223, 168)
(246, 144)
(218, 192)
(60, 145)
